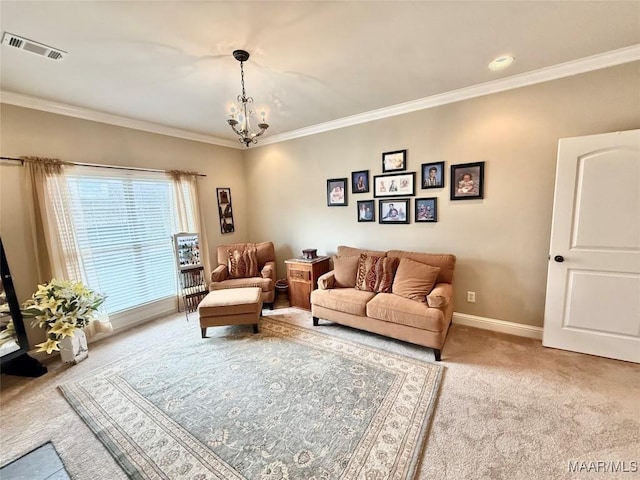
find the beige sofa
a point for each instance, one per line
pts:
(421, 319)
(266, 256)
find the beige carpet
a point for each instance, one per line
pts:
(508, 407)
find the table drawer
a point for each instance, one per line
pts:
(299, 275)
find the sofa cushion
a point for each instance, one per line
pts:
(414, 280)
(347, 300)
(266, 253)
(355, 252)
(223, 251)
(243, 263)
(266, 284)
(445, 261)
(345, 271)
(375, 274)
(395, 309)
(230, 302)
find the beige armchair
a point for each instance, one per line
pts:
(266, 267)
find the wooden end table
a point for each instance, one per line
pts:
(302, 276)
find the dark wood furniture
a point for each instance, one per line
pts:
(14, 359)
(303, 279)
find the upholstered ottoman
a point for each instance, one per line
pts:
(232, 306)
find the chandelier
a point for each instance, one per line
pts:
(241, 113)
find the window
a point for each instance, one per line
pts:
(123, 226)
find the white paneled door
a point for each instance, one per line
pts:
(593, 282)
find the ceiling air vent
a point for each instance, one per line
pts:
(33, 47)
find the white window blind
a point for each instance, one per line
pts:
(124, 222)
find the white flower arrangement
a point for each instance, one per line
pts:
(61, 306)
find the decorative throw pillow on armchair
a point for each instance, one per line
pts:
(243, 263)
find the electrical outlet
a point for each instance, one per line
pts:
(471, 297)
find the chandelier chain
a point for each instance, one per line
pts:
(242, 79)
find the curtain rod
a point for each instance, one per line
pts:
(12, 159)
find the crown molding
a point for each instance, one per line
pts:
(36, 103)
(574, 67)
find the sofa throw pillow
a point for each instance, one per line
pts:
(414, 280)
(345, 270)
(375, 274)
(243, 263)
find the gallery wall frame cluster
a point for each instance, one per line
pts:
(394, 184)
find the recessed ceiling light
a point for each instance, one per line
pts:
(501, 62)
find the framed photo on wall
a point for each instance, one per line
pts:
(393, 211)
(467, 181)
(426, 209)
(394, 185)
(337, 192)
(360, 181)
(433, 175)
(394, 161)
(366, 210)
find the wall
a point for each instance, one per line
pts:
(501, 241)
(30, 132)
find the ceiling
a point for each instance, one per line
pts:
(169, 63)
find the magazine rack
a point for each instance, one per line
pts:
(191, 277)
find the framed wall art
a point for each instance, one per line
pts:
(394, 185)
(394, 161)
(426, 209)
(393, 211)
(366, 211)
(433, 175)
(337, 192)
(360, 181)
(225, 210)
(467, 181)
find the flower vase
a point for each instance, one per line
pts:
(74, 349)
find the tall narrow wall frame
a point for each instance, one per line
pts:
(225, 210)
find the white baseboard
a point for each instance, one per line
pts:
(494, 325)
(143, 313)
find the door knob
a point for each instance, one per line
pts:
(559, 258)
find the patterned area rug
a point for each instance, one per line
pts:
(288, 403)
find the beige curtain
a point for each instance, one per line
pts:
(188, 210)
(52, 222)
(39, 174)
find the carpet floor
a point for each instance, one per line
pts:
(508, 407)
